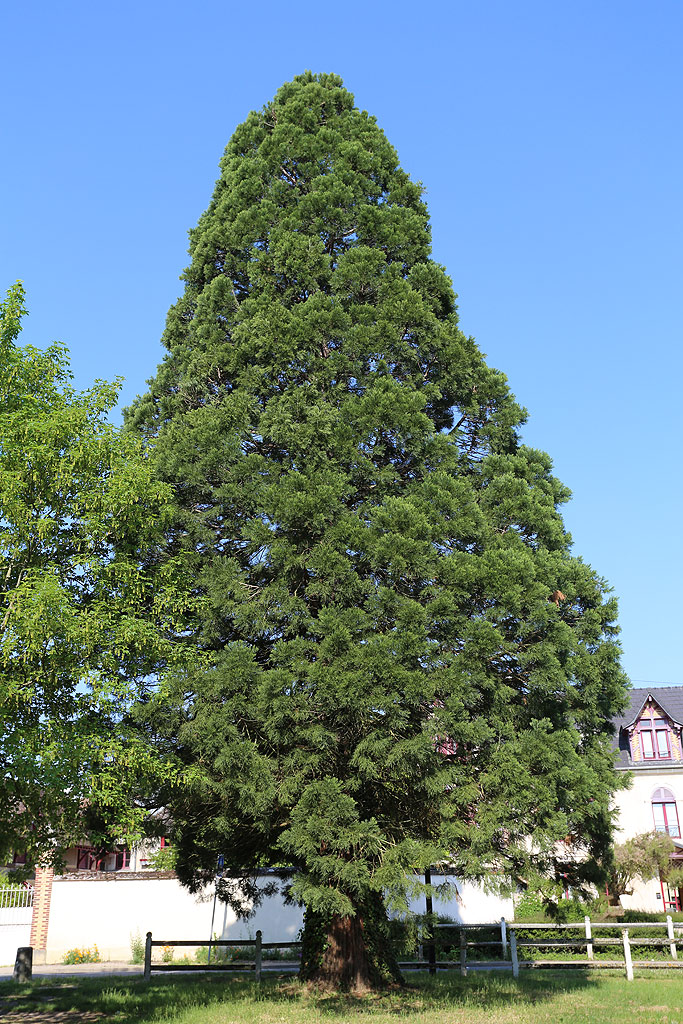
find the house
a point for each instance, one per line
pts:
(144, 857)
(650, 746)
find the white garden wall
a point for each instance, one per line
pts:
(12, 935)
(471, 905)
(107, 910)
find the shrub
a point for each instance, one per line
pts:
(529, 905)
(539, 905)
(137, 949)
(89, 955)
(404, 935)
(163, 859)
(448, 942)
(645, 915)
(287, 954)
(219, 954)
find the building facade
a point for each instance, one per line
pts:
(650, 748)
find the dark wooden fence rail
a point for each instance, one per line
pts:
(255, 965)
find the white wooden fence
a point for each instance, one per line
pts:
(591, 941)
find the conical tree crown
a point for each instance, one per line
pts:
(311, 269)
(392, 676)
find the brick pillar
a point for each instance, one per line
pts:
(42, 894)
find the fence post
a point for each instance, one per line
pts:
(431, 921)
(589, 936)
(463, 953)
(431, 947)
(504, 937)
(431, 952)
(627, 955)
(258, 956)
(672, 940)
(513, 953)
(147, 973)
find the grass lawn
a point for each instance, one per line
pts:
(551, 997)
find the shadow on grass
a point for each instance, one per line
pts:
(483, 989)
(132, 1001)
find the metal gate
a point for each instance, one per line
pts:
(16, 913)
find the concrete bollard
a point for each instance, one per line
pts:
(23, 965)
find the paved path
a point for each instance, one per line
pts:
(111, 967)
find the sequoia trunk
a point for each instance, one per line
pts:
(344, 961)
(351, 953)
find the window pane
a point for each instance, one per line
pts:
(658, 811)
(662, 743)
(646, 740)
(672, 820)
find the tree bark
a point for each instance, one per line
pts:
(349, 953)
(344, 960)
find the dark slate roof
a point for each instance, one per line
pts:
(670, 700)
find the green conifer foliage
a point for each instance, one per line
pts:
(407, 664)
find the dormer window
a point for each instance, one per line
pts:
(655, 736)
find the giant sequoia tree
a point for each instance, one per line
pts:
(399, 660)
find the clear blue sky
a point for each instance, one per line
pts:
(548, 136)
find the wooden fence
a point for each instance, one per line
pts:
(591, 941)
(255, 965)
(507, 944)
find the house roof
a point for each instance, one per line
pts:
(669, 699)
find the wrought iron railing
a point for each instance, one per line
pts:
(13, 896)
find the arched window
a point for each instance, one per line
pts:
(665, 813)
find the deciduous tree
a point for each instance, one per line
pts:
(643, 856)
(82, 626)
